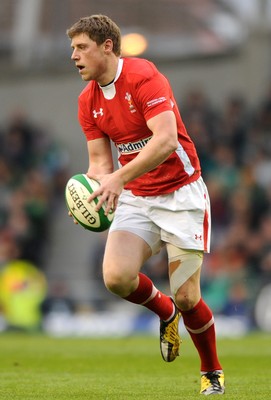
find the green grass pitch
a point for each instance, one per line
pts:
(39, 367)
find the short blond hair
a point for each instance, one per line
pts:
(99, 28)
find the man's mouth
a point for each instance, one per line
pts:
(80, 67)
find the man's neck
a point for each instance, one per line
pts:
(112, 72)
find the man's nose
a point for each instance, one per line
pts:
(74, 55)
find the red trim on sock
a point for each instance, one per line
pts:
(205, 342)
(160, 304)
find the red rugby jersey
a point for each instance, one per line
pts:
(120, 111)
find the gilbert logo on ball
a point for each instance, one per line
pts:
(78, 189)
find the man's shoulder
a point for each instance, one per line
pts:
(138, 68)
(88, 89)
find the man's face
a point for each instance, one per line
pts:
(89, 57)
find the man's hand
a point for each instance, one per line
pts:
(74, 220)
(110, 188)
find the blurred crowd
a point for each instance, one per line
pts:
(234, 145)
(33, 174)
(33, 171)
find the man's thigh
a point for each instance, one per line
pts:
(125, 253)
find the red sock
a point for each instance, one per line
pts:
(149, 296)
(200, 324)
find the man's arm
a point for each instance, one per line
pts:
(100, 160)
(100, 157)
(163, 143)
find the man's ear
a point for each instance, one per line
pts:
(108, 45)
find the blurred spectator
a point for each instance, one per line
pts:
(58, 300)
(22, 289)
(201, 121)
(233, 126)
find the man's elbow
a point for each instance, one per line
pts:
(172, 145)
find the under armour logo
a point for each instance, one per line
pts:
(96, 113)
(198, 237)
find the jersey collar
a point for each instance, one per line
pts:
(109, 91)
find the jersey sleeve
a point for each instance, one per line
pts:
(85, 118)
(154, 95)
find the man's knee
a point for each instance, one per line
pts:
(119, 282)
(187, 297)
(184, 266)
(113, 281)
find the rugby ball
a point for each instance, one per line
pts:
(78, 189)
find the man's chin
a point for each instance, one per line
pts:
(84, 76)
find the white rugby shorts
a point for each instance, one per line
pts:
(181, 218)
